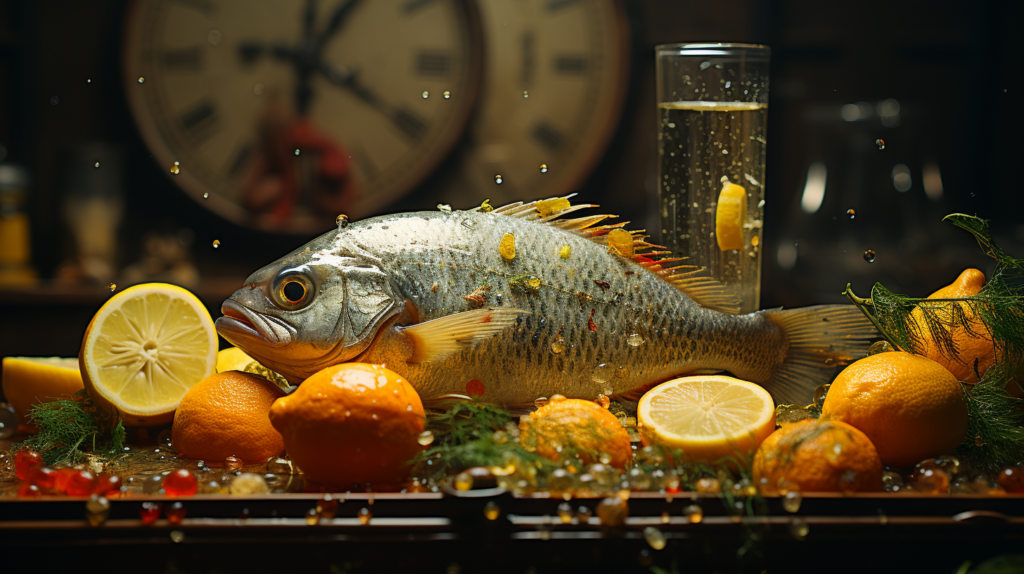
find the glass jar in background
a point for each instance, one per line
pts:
(15, 240)
(712, 117)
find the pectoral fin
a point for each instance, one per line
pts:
(434, 340)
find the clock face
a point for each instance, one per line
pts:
(555, 79)
(282, 114)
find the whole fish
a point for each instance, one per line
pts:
(520, 302)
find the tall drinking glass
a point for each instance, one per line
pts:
(712, 115)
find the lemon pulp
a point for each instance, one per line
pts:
(145, 348)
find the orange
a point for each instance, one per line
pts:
(709, 417)
(911, 407)
(351, 423)
(566, 426)
(969, 347)
(818, 456)
(227, 414)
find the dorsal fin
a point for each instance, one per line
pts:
(690, 279)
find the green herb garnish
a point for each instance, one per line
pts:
(68, 427)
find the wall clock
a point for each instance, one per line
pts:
(282, 114)
(556, 75)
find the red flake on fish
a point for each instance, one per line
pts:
(475, 388)
(602, 284)
(591, 324)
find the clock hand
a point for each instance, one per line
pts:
(337, 19)
(346, 78)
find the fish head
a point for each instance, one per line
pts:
(309, 310)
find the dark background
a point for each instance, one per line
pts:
(954, 68)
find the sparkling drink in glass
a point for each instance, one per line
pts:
(712, 115)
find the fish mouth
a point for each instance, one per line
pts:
(240, 321)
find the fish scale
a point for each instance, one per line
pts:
(430, 261)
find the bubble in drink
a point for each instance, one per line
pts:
(880, 143)
(869, 256)
(543, 168)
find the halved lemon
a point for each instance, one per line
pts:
(730, 215)
(144, 349)
(30, 381)
(711, 418)
(232, 359)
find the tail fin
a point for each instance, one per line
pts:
(820, 338)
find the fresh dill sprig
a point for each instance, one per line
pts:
(995, 436)
(70, 426)
(465, 437)
(995, 423)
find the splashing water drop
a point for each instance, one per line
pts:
(297, 151)
(444, 207)
(426, 438)
(654, 537)
(96, 165)
(141, 79)
(216, 243)
(635, 339)
(175, 169)
(880, 143)
(869, 256)
(526, 94)
(558, 345)
(206, 195)
(112, 286)
(426, 94)
(851, 213)
(543, 168)
(88, 80)
(447, 95)
(341, 221)
(498, 179)
(602, 374)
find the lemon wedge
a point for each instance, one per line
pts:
(730, 215)
(30, 381)
(709, 417)
(144, 349)
(232, 359)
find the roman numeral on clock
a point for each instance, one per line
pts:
(200, 120)
(437, 64)
(185, 59)
(411, 125)
(547, 135)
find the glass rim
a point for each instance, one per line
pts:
(709, 48)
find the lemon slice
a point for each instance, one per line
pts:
(232, 359)
(33, 380)
(709, 417)
(144, 349)
(730, 215)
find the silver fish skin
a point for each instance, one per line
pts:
(387, 290)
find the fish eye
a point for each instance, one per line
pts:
(293, 291)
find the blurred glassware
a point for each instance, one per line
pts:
(712, 120)
(15, 241)
(93, 206)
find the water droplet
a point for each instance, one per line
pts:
(565, 513)
(605, 402)
(216, 243)
(879, 347)
(634, 339)
(88, 80)
(175, 169)
(447, 95)
(498, 179)
(258, 89)
(755, 241)
(426, 438)
(869, 256)
(798, 528)
(112, 286)
(492, 511)
(654, 537)
(141, 79)
(96, 165)
(312, 517)
(602, 374)
(540, 402)
(426, 94)
(526, 94)
(444, 207)
(665, 516)
(851, 213)
(507, 247)
(463, 481)
(558, 345)
(341, 221)
(880, 143)
(791, 502)
(705, 65)
(177, 536)
(297, 151)
(543, 168)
